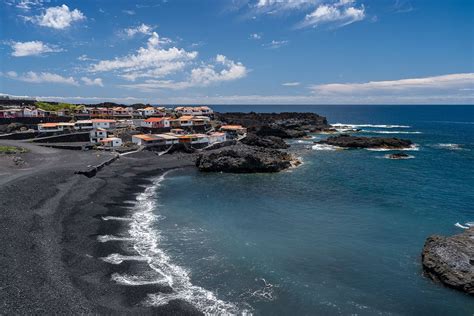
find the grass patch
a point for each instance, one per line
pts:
(12, 150)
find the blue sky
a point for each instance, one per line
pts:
(240, 51)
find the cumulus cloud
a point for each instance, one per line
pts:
(27, 4)
(59, 18)
(151, 61)
(222, 69)
(42, 77)
(291, 84)
(451, 81)
(340, 14)
(92, 82)
(140, 29)
(32, 48)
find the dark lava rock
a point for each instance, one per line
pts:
(267, 142)
(398, 156)
(348, 141)
(278, 131)
(242, 158)
(284, 125)
(450, 260)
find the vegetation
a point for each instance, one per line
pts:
(12, 150)
(58, 106)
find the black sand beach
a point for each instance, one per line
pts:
(50, 219)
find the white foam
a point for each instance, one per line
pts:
(461, 226)
(117, 258)
(413, 147)
(265, 293)
(115, 218)
(146, 244)
(450, 146)
(325, 147)
(369, 125)
(389, 132)
(105, 238)
(134, 280)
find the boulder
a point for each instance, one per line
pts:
(268, 142)
(348, 141)
(242, 158)
(450, 260)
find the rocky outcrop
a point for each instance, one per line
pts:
(242, 158)
(283, 125)
(268, 142)
(348, 141)
(399, 156)
(450, 260)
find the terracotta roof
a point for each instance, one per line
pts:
(231, 127)
(186, 118)
(102, 121)
(156, 119)
(48, 124)
(145, 137)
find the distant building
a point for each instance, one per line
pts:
(55, 127)
(111, 142)
(157, 122)
(233, 131)
(103, 123)
(83, 124)
(97, 135)
(194, 110)
(217, 137)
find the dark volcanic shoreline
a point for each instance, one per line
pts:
(57, 216)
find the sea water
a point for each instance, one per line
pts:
(340, 235)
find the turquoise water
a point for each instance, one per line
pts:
(340, 235)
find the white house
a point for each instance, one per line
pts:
(216, 137)
(156, 122)
(148, 111)
(111, 142)
(103, 123)
(83, 124)
(97, 135)
(55, 127)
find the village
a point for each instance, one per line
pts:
(116, 128)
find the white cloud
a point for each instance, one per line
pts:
(141, 29)
(291, 84)
(33, 48)
(150, 61)
(92, 82)
(340, 14)
(84, 57)
(255, 36)
(272, 6)
(58, 17)
(199, 77)
(28, 4)
(129, 12)
(275, 44)
(451, 81)
(43, 77)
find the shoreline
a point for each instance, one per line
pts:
(57, 215)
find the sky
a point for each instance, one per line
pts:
(239, 51)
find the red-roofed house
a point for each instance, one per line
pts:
(156, 122)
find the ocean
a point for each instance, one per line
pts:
(340, 235)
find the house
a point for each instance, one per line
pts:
(233, 131)
(217, 137)
(183, 121)
(200, 120)
(122, 111)
(194, 110)
(27, 112)
(97, 135)
(146, 112)
(194, 139)
(83, 124)
(111, 142)
(178, 131)
(156, 122)
(55, 127)
(103, 123)
(11, 113)
(100, 112)
(155, 139)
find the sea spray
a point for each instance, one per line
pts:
(146, 242)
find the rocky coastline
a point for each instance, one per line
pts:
(450, 260)
(349, 141)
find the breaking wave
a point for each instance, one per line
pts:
(369, 125)
(389, 132)
(413, 147)
(400, 158)
(325, 147)
(450, 146)
(146, 242)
